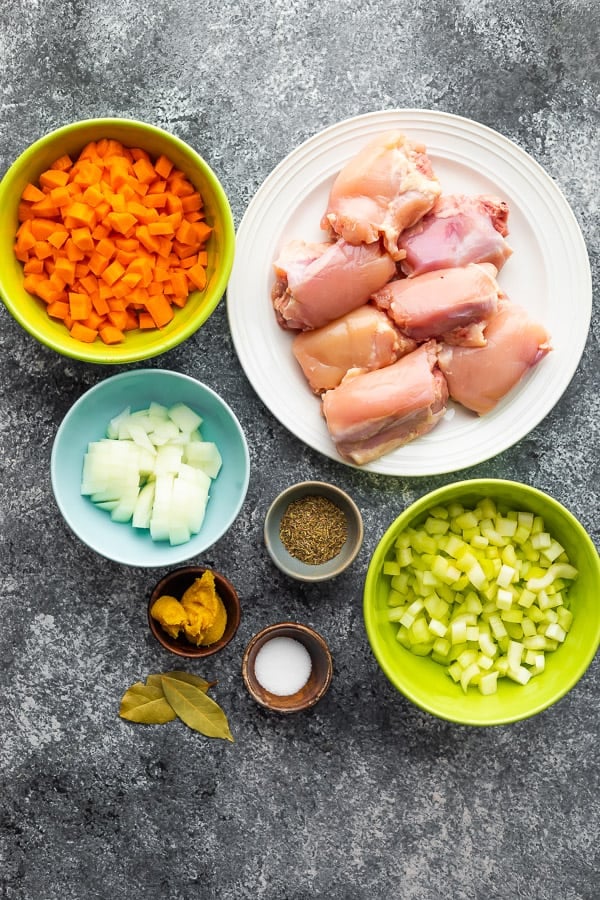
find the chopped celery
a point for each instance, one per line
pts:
(483, 591)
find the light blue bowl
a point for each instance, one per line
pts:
(87, 420)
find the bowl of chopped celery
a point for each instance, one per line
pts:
(481, 602)
(150, 467)
(117, 240)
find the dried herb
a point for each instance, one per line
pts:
(196, 709)
(175, 694)
(189, 677)
(313, 529)
(146, 704)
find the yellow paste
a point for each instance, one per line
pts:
(201, 614)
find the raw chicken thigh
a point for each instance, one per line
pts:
(457, 231)
(363, 339)
(479, 377)
(317, 283)
(387, 187)
(373, 413)
(448, 301)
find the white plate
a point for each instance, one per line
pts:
(548, 274)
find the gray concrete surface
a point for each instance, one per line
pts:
(365, 796)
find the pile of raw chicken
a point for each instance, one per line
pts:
(400, 310)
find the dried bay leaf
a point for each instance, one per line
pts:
(196, 709)
(180, 675)
(146, 704)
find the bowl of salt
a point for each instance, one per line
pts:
(287, 667)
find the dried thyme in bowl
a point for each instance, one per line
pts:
(313, 529)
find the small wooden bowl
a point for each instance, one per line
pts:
(320, 676)
(175, 584)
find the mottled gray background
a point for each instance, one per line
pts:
(365, 796)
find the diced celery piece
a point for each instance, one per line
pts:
(521, 675)
(469, 675)
(390, 567)
(455, 671)
(488, 683)
(541, 540)
(505, 527)
(504, 599)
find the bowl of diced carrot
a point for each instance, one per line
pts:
(116, 240)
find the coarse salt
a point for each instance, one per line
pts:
(282, 666)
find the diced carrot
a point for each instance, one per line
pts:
(113, 272)
(197, 275)
(73, 252)
(192, 202)
(160, 309)
(99, 303)
(81, 213)
(122, 222)
(163, 166)
(144, 170)
(100, 231)
(111, 335)
(146, 239)
(155, 201)
(162, 226)
(186, 233)
(118, 318)
(106, 248)
(60, 196)
(89, 283)
(93, 195)
(145, 320)
(180, 186)
(42, 249)
(58, 309)
(180, 284)
(132, 320)
(58, 237)
(33, 266)
(65, 267)
(203, 231)
(63, 163)
(80, 305)
(82, 238)
(82, 333)
(32, 193)
(54, 178)
(97, 263)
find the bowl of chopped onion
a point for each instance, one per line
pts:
(481, 602)
(116, 238)
(150, 467)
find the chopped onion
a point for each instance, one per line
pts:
(484, 591)
(153, 469)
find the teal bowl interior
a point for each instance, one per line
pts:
(87, 420)
(30, 312)
(425, 682)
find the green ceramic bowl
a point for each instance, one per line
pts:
(30, 312)
(425, 682)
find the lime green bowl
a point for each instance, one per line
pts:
(427, 683)
(30, 312)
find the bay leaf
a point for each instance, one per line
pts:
(196, 709)
(180, 675)
(146, 704)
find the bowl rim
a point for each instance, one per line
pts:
(419, 506)
(325, 571)
(278, 629)
(85, 398)
(118, 355)
(195, 652)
